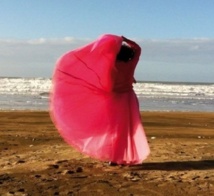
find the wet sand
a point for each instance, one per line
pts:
(34, 160)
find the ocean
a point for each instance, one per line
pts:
(33, 93)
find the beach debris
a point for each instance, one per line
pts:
(37, 176)
(5, 177)
(20, 161)
(199, 137)
(11, 193)
(195, 178)
(132, 176)
(153, 137)
(79, 169)
(62, 161)
(80, 176)
(67, 172)
(21, 190)
(55, 166)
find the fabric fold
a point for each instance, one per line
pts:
(93, 104)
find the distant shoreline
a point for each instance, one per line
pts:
(170, 82)
(138, 81)
(141, 112)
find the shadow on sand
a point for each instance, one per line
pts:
(177, 166)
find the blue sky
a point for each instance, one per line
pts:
(176, 36)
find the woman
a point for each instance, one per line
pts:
(93, 104)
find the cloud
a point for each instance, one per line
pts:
(177, 60)
(34, 57)
(173, 59)
(183, 50)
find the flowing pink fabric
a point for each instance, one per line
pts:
(93, 104)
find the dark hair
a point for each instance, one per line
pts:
(126, 53)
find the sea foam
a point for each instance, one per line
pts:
(37, 86)
(33, 93)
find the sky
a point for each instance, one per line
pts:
(176, 36)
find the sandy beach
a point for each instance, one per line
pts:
(34, 159)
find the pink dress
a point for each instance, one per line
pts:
(93, 104)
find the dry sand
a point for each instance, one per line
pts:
(34, 160)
